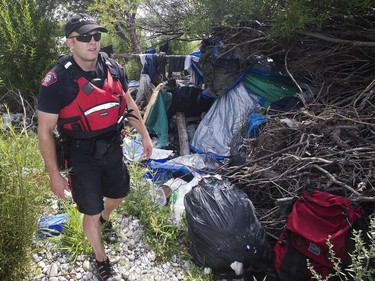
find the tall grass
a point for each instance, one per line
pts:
(22, 185)
(73, 240)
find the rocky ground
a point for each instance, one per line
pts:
(132, 259)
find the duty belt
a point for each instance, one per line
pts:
(99, 147)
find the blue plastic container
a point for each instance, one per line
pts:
(52, 225)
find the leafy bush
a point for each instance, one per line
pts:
(182, 47)
(363, 256)
(22, 188)
(27, 44)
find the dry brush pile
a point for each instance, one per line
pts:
(329, 144)
(318, 147)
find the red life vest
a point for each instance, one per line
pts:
(94, 111)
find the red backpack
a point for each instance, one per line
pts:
(315, 216)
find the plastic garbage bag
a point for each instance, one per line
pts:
(223, 227)
(179, 191)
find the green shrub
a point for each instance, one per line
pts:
(27, 45)
(183, 47)
(137, 203)
(22, 188)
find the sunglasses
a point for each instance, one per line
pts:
(86, 37)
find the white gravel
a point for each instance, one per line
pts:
(131, 259)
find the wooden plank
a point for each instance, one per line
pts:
(182, 134)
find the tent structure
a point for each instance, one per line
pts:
(231, 95)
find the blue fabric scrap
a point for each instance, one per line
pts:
(254, 123)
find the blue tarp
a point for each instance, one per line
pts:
(182, 167)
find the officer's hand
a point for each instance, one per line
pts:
(58, 185)
(147, 148)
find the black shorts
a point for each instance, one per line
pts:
(92, 179)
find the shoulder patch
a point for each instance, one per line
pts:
(49, 79)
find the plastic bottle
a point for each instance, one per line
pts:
(162, 194)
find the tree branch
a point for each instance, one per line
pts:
(336, 40)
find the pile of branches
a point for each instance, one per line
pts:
(329, 144)
(318, 147)
(337, 61)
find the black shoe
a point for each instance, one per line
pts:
(105, 270)
(109, 234)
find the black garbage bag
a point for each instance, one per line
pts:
(223, 227)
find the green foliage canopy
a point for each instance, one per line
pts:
(198, 18)
(284, 16)
(119, 16)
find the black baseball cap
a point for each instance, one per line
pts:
(82, 23)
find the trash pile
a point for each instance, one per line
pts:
(276, 121)
(287, 118)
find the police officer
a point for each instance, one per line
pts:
(85, 97)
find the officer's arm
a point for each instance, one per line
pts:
(46, 125)
(139, 125)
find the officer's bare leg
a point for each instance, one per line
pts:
(109, 205)
(91, 227)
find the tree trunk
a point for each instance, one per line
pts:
(133, 35)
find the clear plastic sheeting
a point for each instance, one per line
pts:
(133, 151)
(226, 117)
(180, 188)
(145, 88)
(196, 162)
(223, 227)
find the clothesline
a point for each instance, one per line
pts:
(163, 64)
(116, 56)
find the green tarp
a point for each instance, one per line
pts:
(269, 88)
(157, 119)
